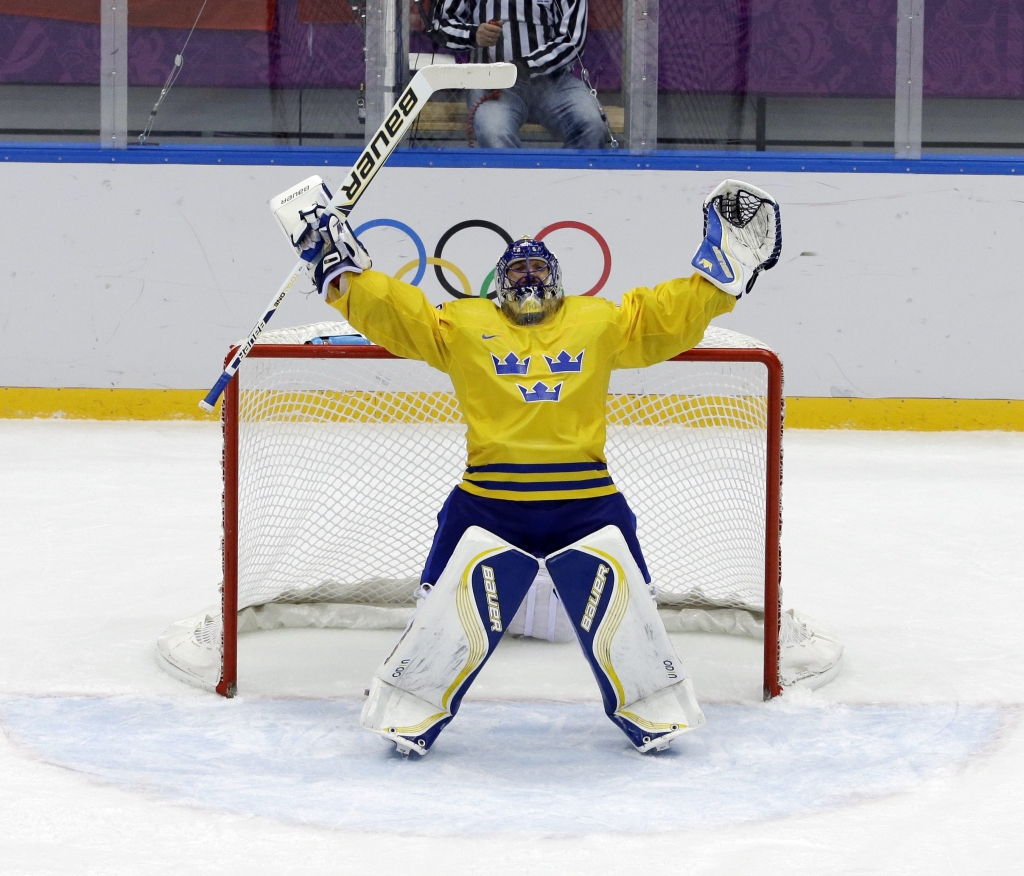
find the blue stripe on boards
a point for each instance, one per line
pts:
(560, 159)
(537, 467)
(543, 486)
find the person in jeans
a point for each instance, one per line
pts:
(543, 38)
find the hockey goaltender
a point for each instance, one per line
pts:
(536, 502)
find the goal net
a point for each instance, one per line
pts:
(338, 456)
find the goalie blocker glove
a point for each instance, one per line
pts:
(320, 237)
(742, 236)
(342, 253)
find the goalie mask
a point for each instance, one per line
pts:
(528, 282)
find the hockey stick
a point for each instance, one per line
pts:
(408, 107)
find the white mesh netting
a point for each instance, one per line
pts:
(344, 463)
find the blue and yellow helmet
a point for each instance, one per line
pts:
(528, 282)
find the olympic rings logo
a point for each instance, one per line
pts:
(440, 263)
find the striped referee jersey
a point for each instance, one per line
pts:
(547, 35)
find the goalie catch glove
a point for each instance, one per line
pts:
(320, 237)
(742, 236)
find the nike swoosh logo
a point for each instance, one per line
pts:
(488, 337)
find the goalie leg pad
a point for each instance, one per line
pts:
(417, 690)
(645, 690)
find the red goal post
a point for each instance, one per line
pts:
(770, 418)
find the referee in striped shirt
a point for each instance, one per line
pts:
(543, 38)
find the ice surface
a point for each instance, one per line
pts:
(502, 768)
(907, 546)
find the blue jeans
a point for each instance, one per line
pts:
(560, 102)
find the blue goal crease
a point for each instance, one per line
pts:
(517, 768)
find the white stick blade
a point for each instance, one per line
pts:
(295, 191)
(469, 75)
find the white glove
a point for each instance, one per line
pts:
(341, 253)
(742, 236)
(320, 237)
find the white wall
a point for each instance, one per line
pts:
(140, 275)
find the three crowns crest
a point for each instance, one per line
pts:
(563, 363)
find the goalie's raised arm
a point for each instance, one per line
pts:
(742, 236)
(322, 239)
(338, 254)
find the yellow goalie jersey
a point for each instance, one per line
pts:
(534, 397)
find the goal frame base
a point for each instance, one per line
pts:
(772, 687)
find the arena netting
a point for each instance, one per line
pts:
(338, 457)
(343, 464)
